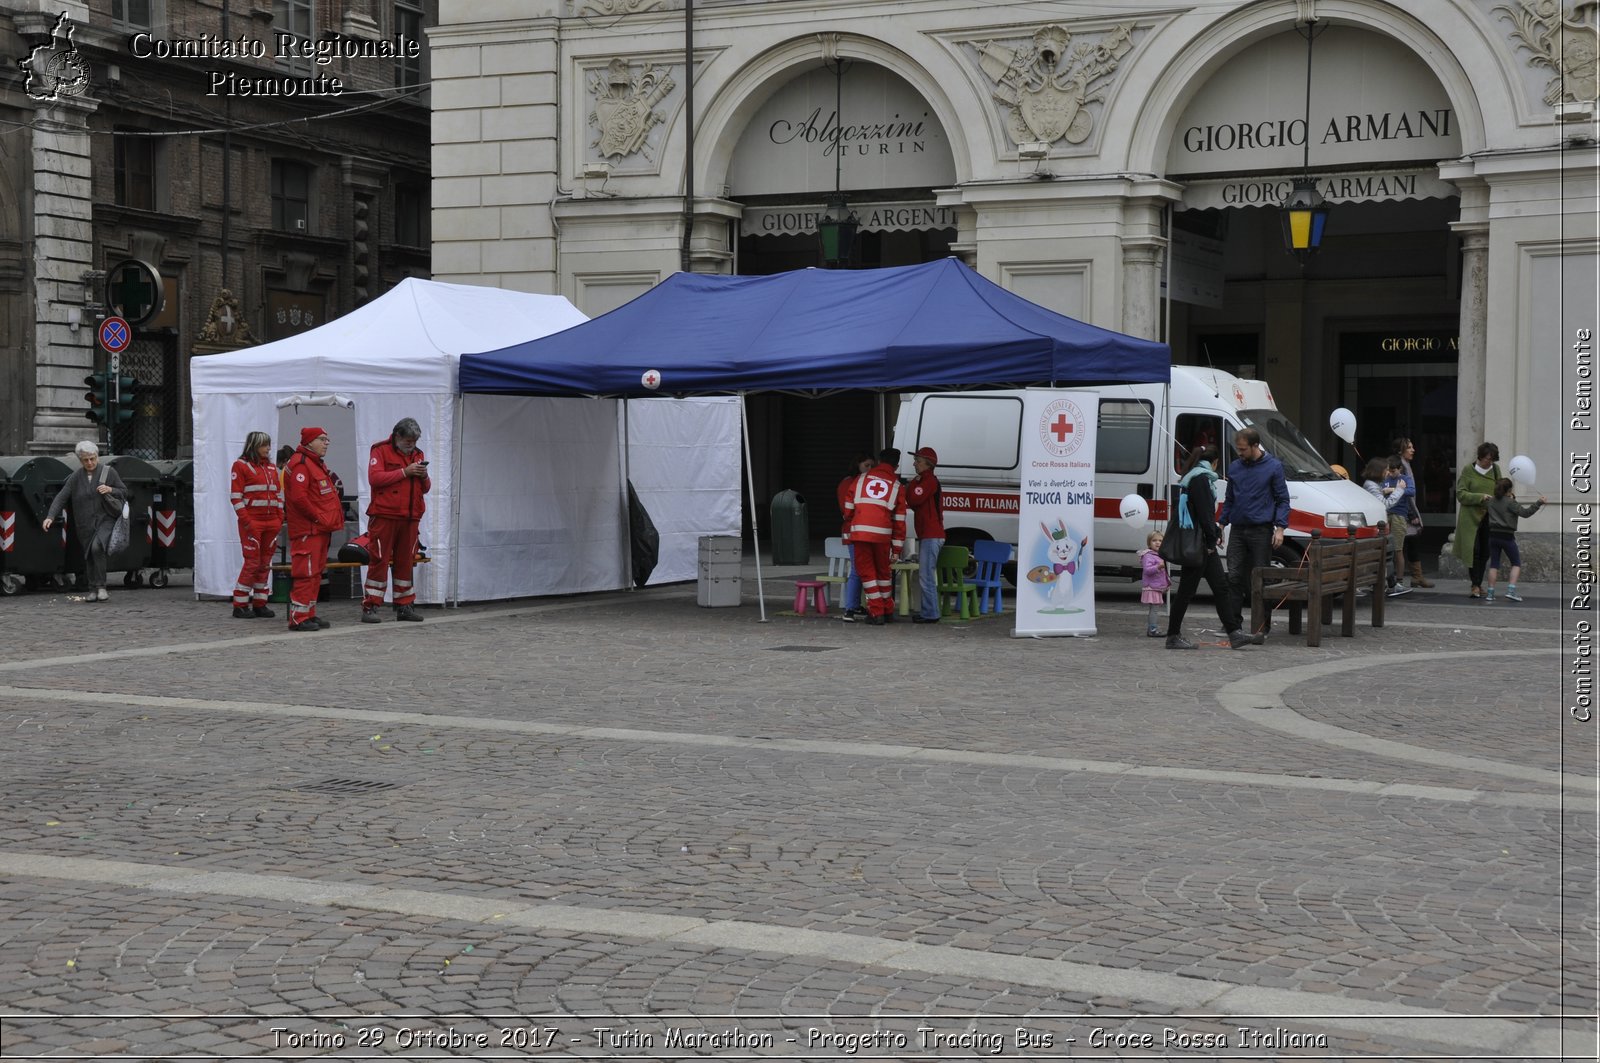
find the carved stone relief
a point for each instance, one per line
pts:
(624, 110)
(1045, 85)
(1563, 41)
(609, 8)
(225, 324)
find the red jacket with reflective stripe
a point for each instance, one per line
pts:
(256, 492)
(877, 509)
(394, 494)
(925, 501)
(310, 498)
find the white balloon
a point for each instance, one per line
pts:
(651, 379)
(1135, 511)
(1523, 470)
(1343, 423)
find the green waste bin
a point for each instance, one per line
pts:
(27, 487)
(143, 481)
(791, 530)
(172, 519)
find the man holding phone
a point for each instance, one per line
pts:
(397, 472)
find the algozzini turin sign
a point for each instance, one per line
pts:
(281, 48)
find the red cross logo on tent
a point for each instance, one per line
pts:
(877, 489)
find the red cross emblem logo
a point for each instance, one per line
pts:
(1061, 427)
(877, 489)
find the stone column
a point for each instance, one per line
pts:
(63, 251)
(1472, 344)
(1142, 259)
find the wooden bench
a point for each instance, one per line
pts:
(1333, 568)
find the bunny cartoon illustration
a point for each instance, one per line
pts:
(1066, 559)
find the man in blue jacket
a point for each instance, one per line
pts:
(1256, 511)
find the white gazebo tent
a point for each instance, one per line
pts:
(509, 513)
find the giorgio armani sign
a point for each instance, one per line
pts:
(1373, 102)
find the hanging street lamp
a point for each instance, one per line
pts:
(1304, 212)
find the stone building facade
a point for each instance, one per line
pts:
(115, 119)
(1121, 163)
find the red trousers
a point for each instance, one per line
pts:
(308, 556)
(877, 578)
(394, 543)
(255, 578)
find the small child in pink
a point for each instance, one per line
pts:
(1156, 582)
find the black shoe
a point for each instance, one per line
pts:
(241, 613)
(1178, 642)
(877, 621)
(405, 612)
(920, 619)
(849, 616)
(308, 624)
(1260, 637)
(370, 616)
(262, 610)
(888, 618)
(1237, 639)
(1397, 590)
(321, 623)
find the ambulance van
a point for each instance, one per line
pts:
(1144, 432)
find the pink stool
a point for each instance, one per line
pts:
(810, 592)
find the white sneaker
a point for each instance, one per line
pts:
(101, 595)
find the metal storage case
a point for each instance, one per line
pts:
(720, 583)
(28, 484)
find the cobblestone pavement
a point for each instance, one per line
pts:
(515, 825)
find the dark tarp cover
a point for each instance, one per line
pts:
(939, 324)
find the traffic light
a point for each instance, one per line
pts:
(125, 398)
(96, 396)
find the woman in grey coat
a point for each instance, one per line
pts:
(96, 495)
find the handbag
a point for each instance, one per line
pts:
(1182, 544)
(119, 530)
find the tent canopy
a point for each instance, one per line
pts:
(939, 324)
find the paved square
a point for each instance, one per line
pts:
(622, 826)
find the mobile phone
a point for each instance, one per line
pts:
(423, 464)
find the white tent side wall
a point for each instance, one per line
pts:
(684, 459)
(222, 420)
(540, 488)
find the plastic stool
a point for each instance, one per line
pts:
(810, 592)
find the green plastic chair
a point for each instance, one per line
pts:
(957, 597)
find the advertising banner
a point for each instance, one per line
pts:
(1055, 542)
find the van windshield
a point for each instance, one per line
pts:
(1286, 442)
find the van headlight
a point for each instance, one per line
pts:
(1344, 521)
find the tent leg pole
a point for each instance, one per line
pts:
(453, 598)
(627, 512)
(755, 531)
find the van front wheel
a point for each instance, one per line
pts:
(1289, 554)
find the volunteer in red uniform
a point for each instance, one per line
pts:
(258, 504)
(844, 493)
(311, 502)
(397, 472)
(878, 532)
(926, 502)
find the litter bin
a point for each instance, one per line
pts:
(172, 519)
(720, 558)
(143, 481)
(27, 487)
(791, 530)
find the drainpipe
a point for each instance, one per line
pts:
(688, 153)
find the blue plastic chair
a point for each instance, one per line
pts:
(988, 556)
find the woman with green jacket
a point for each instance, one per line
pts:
(1474, 488)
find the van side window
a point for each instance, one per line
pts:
(972, 431)
(1124, 441)
(1200, 430)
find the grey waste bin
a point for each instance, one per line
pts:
(172, 519)
(142, 481)
(791, 530)
(27, 487)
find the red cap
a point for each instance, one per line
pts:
(308, 434)
(930, 454)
